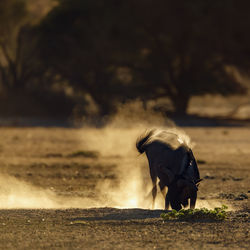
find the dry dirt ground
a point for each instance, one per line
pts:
(64, 188)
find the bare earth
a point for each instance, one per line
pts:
(57, 194)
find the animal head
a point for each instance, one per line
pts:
(181, 191)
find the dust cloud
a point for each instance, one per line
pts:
(117, 140)
(211, 204)
(19, 194)
(116, 143)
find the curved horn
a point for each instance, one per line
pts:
(198, 181)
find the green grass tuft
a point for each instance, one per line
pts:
(218, 214)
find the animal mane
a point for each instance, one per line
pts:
(143, 139)
(172, 137)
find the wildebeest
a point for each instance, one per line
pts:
(172, 161)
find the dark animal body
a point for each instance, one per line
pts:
(174, 165)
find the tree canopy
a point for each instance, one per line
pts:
(120, 50)
(12, 16)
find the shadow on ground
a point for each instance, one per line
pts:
(107, 214)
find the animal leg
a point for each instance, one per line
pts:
(167, 202)
(154, 192)
(163, 189)
(165, 194)
(154, 189)
(193, 200)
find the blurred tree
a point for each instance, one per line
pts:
(19, 62)
(116, 50)
(22, 74)
(78, 44)
(189, 46)
(12, 17)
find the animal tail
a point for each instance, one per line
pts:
(142, 140)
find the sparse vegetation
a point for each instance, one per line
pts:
(230, 196)
(88, 154)
(218, 214)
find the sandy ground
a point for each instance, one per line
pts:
(88, 189)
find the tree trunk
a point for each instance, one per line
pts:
(180, 103)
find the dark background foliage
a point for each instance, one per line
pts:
(107, 52)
